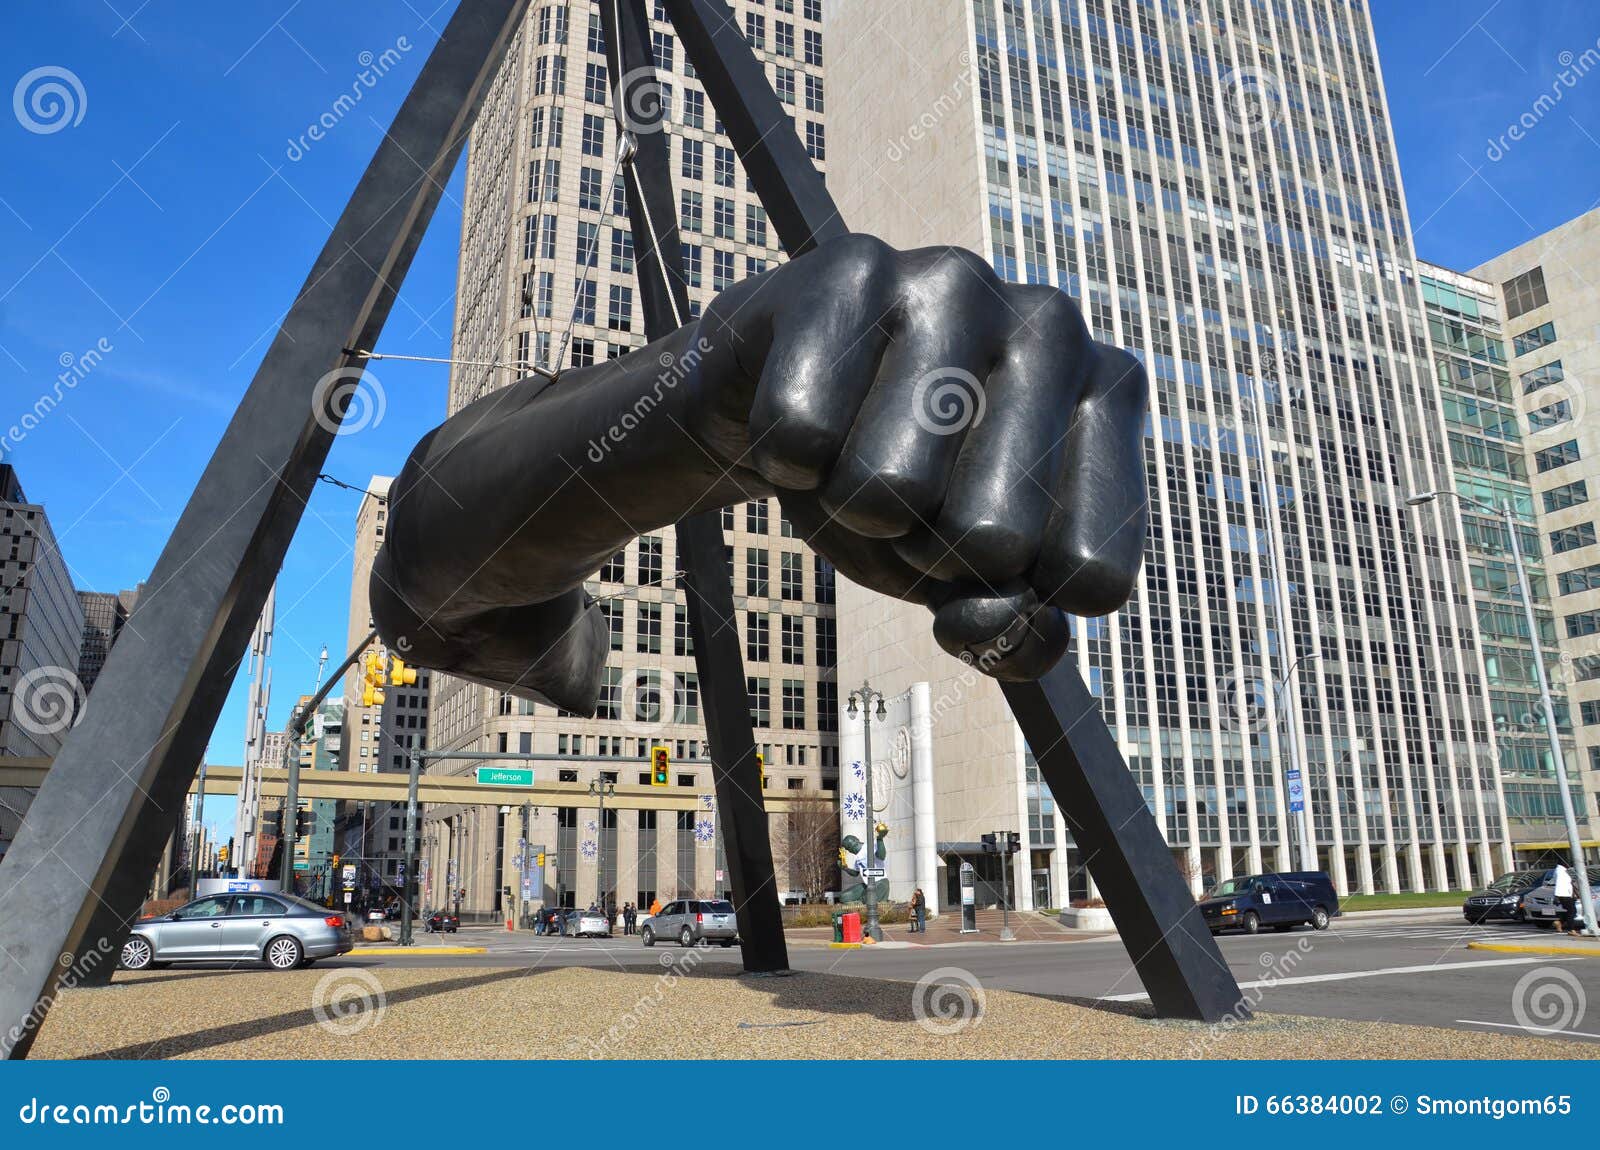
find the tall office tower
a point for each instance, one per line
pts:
(380, 735)
(1552, 314)
(104, 615)
(1492, 460)
(547, 278)
(1215, 183)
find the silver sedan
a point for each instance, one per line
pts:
(280, 930)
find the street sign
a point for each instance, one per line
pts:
(1297, 791)
(872, 872)
(505, 776)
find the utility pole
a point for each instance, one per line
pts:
(199, 819)
(598, 788)
(1558, 762)
(408, 887)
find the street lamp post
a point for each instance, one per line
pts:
(864, 699)
(1558, 762)
(1306, 845)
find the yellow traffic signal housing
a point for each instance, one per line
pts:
(222, 854)
(371, 696)
(401, 675)
(761, 768)
(660, 766)
(539, 858)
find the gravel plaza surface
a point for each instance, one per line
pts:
(683, 1010)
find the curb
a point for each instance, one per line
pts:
(1520, 948)
(374, 951)
(844, 946)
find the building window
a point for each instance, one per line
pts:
(757, 637)
(827, 711)
(611, 611)
(682, 639)
(760, 692)
(610, 705)
(1568, 495)
(793, 639)
(647, 637)
(619, 314)
(791, 575)
(755, 517)
(649, 561)
(1558, 456)
(1533, 339)
(1525, 292)
(794, 705)
(1572, 538)
(822, 571)
(755, 572)
(612, 572)
(1542, 376)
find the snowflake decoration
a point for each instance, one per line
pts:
(708, 801)
(857, 770)
(589, 848)
(591, 826)
(855, 806)
(704, 830)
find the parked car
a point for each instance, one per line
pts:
(1539, 905)
(281, 930)
(589, 924)
(442, 922)
(692, 921)
(1504, 896)
(1282, 900)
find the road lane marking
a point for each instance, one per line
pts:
(1347, 975)
(1541, 1031)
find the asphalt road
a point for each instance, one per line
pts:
(1415, 971)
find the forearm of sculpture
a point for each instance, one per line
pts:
(501, 513)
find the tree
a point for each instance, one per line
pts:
(813, 844)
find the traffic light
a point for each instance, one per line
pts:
(272, 822)
(401, 675)
(335, 863)
(222, 854)
(990, 845)
(539, 858)
(305, 823)
(761, 768)
(1013, 843)
(660, 766)
(372, 679)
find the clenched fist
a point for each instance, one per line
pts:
(939, 435)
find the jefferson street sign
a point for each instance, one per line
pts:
(505, 776)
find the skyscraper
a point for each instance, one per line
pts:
(546, 278)
(1215, 183)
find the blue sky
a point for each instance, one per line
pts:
(175, 219)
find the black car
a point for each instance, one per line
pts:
(442, 922)
(1282, 900)
(1503, 897)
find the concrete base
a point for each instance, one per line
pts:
(1086, 918)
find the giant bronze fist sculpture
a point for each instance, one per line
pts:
(939, 435)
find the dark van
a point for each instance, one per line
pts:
(1282, 900)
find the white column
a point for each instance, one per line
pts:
(925, 833)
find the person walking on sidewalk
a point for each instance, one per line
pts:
(1567, 920)
(919, 912)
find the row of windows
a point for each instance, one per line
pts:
(1533, 339)
(1525, 292)
(1558, 456)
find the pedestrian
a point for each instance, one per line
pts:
(655, 906)
(632, 918)
(919, 912)
(1567, 919)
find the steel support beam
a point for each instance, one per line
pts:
(1172, 949)
(79, 869)
(664, 300)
